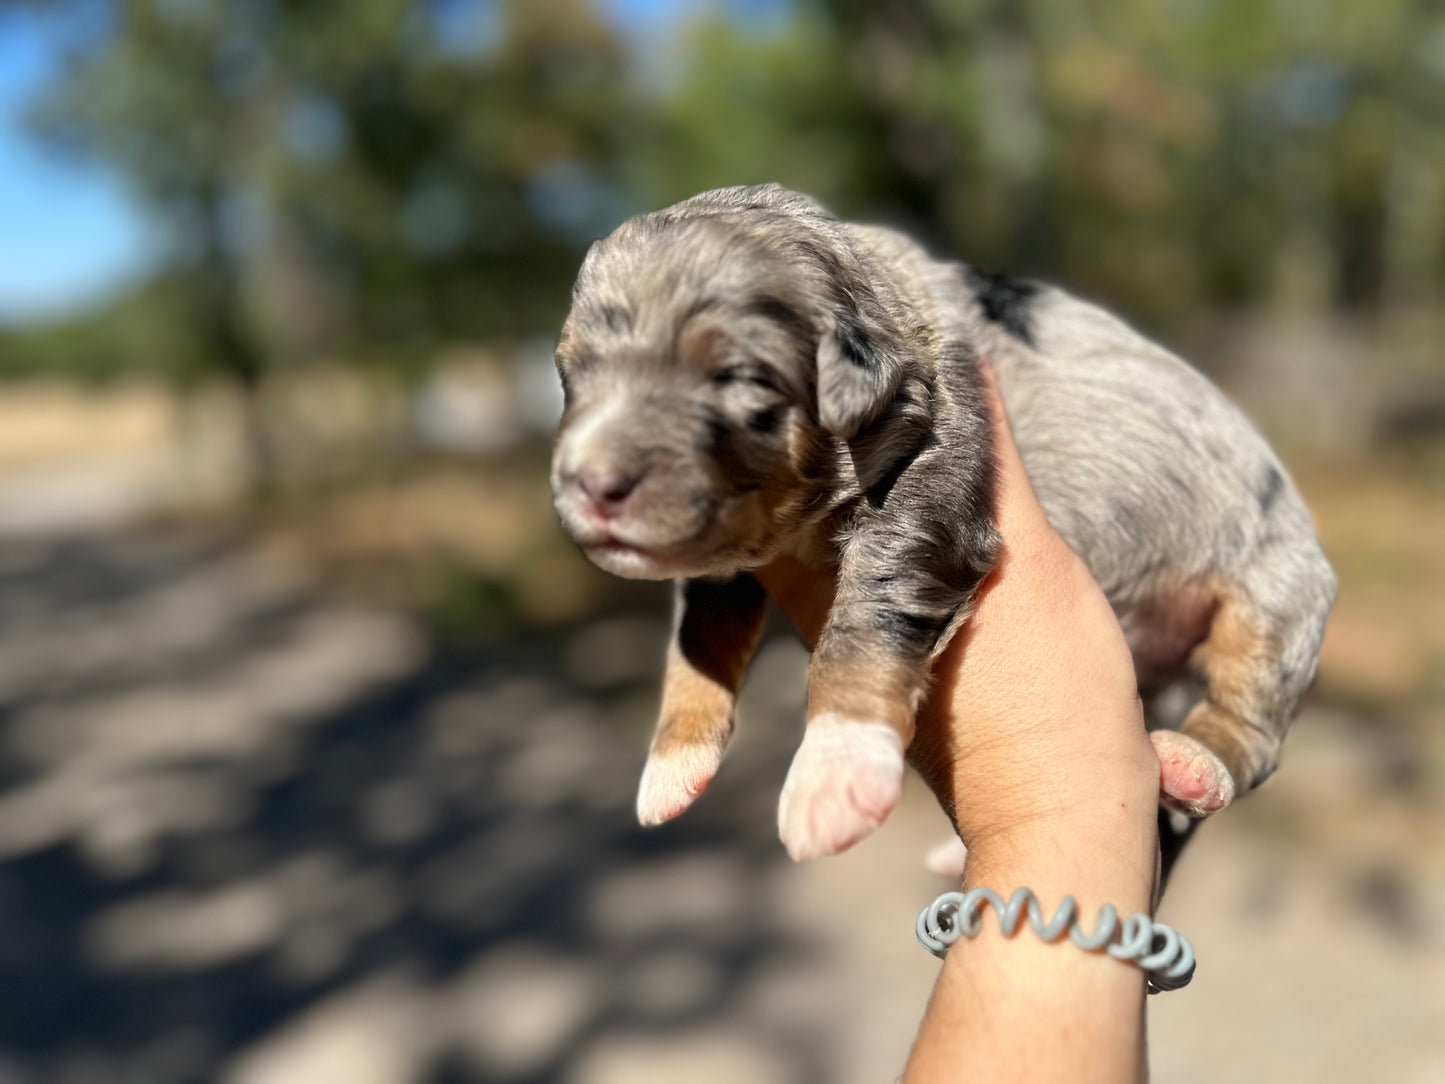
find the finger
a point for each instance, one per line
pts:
(1019, 515)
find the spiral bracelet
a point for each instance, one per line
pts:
(1159, 950)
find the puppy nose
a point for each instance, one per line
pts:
(607, 488)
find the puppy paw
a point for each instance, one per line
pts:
(673, 778)
(1192, 780)
(845, 778)
(947, 859)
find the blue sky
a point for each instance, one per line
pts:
(70, 235)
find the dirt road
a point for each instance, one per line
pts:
(255, 834)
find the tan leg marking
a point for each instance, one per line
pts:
(692, 733)
(705, 665)
(1229, 742)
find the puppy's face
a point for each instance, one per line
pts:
(689, 442)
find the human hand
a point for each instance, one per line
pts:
(1032, 737)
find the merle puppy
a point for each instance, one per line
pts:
(746, 376)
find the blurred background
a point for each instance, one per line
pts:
(318, 741)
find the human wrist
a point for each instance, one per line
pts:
(1103, 853)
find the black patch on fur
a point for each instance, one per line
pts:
(1006, 301)
(853, 344)
(716, 438)
(923, 539)
(705, 605)
(781, 313)
(719, 441)
(1270, 489)
(764, 421)
(914, 629)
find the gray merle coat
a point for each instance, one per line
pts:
(745, 376)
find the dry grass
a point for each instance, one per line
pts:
(44, 423)
(1383, 527)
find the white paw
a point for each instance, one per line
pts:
(947, 859)
(1192, 779)
(671, 781)
(845, 778)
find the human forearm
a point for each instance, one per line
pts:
(1019, 1009)
(1061, 798)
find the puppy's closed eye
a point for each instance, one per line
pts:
(752, 374)
(752, 395)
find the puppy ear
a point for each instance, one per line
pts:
(858, 371)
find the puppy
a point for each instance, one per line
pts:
(747, 376)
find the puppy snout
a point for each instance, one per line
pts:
(607, 488)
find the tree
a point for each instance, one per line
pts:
(364, 180)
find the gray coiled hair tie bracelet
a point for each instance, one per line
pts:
(1164, 954)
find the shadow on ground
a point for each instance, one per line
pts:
(252, 835)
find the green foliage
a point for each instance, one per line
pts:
(1167, 156)
(371, 180)
(334, 178)
(148, 332)
(779, 109)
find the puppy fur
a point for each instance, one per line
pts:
(745, 376)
